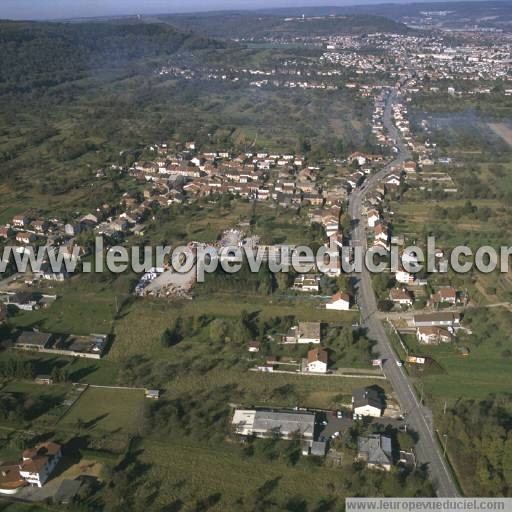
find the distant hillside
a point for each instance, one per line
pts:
(41, 54)
(247, 24)
(486, 13)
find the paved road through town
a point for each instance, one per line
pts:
(418, 417)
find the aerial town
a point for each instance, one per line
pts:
(373, 130)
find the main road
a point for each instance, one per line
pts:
(418, 417)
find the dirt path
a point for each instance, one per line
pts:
(504, 131)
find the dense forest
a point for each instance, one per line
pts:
(45, 54)
(255, 26)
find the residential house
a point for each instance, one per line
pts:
(339, 301)
(43, 379)
(373, 217)
(5, 232)
(317, 361)
(317, 448)
(254, 346)
(381, 232)
(306, 283)
(20, 221)
(433, 335)
(21, 300)
(445, 295)
(25, 238)
(446, 319)
(403, 276)
(10, 478)
(73, 229)
(305, 332)
(153, 394)
(47, 273)
(401, 296)
(367, 402)
(39, 463)
(32, 340)
(40, 226)
(376, 450)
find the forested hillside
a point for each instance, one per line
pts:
(254, 25)
(46, 54)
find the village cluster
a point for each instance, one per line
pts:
(179, 174)
(469, 62)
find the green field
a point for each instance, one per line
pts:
(485, 371)
(199, 471)
(90, 371)
(106, 410)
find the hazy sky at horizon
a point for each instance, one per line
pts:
(51, 9)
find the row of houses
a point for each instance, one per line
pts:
(445, 295)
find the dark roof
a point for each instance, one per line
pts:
(367, 396)
(376, 449)
(318, 448)
(20, 298)
(36, 339)
(443, 316)
(67, 491)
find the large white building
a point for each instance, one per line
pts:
(263, 423)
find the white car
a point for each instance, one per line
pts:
(399, 363)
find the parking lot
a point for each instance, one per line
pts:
(330, 424)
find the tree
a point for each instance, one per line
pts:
(218, 330)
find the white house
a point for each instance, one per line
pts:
(305, 332)
(446, 294)
(38, 463)
(401, 296)
(432, 335)
(373, 218)
(367, 402)
(381, 233)
(332, 227)
(393, 180)
(254, 346)
(339, 302)
(404, 277)
(306, 283)
(317, 361)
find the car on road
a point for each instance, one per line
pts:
(399, 363)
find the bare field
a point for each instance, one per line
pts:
(504, 131)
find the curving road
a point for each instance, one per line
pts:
(419, 418)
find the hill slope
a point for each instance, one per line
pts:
(42, 54)
(235, 25)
